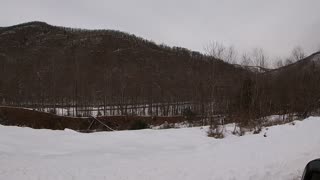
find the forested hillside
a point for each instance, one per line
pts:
(46, 67)
(43, 65)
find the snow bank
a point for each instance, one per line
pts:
(158, 154)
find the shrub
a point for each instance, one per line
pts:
(165, 125)
(239, 130)
(257, 130)
(216, 131)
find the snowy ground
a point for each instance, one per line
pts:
(158, 154)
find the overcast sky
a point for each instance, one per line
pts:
(274, 25)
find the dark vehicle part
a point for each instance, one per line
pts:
(312, 170)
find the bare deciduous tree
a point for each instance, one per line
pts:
(259, 58)
(278, 63)
(222, 52)
(230, 55)
(288, 61)
(246, 60)
(297, 53)
(215, 49)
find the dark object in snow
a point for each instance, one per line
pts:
(312, 170)
(265, 135)
(139, 124)
(257, 130)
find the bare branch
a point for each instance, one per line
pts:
(230, 55)
(297, 54)
(246, 60)
(259, 58)
(215, 49)
(278, 63)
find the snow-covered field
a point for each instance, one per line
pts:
(158, 154)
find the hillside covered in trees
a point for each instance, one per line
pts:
(46, 67)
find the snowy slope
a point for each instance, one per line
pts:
(185, 154)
